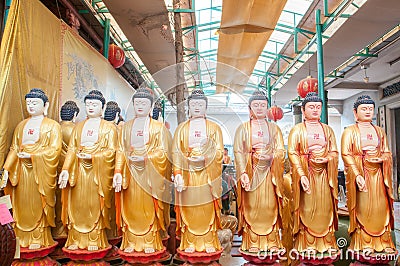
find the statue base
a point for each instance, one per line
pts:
(86, 255)
(373, 258)
(310, 258)
(88, 263)
(144, 258)
(199, 257)
(58, 253)
(34, 254)
(261, 258)
(35, 262)
(113, 253)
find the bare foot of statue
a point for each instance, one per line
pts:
(149, 250)
(93, 248)
(390, 250)
(34, 246)
(190, 250)
(73, 247)
(274, 250)
(254, 250)
(210, 250)
(129, 249)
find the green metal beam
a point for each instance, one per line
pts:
(343, 5)
(106, 41)
(320, 64)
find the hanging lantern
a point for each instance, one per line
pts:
(307, 85)
(275, 113)
(116, 55)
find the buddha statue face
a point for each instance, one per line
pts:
(197, 108)
(312, 110)
(259, 109)
(35, 106)
(364, 113)
(94, 108)
(142, 107)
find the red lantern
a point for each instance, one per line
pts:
(116, 55)
(307, 85)
(275, 113)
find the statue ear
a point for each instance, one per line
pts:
(116, 118)
(74, 118)
(355, 115)
(46, 108)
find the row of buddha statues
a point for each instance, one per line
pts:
(137, 167)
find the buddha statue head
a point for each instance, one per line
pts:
(363, 109)
(69, 111)
(112, 112)
(197, 103)
(311, 107)
(94, 104)
(258, 105)
(142, 102)
(37, 103)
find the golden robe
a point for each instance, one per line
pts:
(66, 131)
(315, 214)
(371, 212)
(198, 207)
(33, 182)
(144, 197)
(86, 212)
(260, 208)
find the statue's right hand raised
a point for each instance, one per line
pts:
(63, 179)
(4, 180)
(117, 182)
(179, 183)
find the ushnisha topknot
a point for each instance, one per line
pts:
(37, 93)
(96, 95)
(111, 111)
(143, 93)
(258, 95)
(68, 110)
(363, 99)
(197, 94)
(311, 97)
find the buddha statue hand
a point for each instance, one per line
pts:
(305, 183)
(244, 179)
(136, 158)
(374, 160)
(23, 155)
(4, 180)
(63, 179)
(361, 183)
(179, 183)
(82, 155)
(319, 160)
(117, 182)
(196, 159)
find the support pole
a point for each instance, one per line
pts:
(268, 84)
(106, 41)
(320, 63)
(180, 86)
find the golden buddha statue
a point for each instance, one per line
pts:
(141, 168)
(68, 113)
(314, 162)
(368, 170)
(31, 168)
(197, 151)
(89, 169)
(259, 160)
